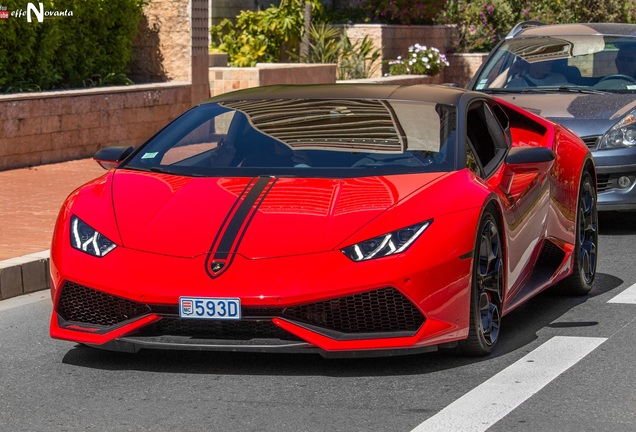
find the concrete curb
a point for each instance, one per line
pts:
(24, 274)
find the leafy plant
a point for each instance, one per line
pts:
(328, 44)
(325, 45)
(264, 36)
(112, 79)
(358, 59)
(421, 60)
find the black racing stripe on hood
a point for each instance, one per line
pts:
(235, 224)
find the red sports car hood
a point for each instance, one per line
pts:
(255, 217)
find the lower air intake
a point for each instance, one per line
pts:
(85, 305)
(378, 311)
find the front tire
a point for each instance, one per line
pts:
(486, 289)
(586, 247)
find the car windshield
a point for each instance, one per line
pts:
(581, 62)
(304, 137)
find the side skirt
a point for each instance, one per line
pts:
(550, 260)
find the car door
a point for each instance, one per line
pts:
(524, 196)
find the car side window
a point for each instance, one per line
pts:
(471, 160)
(487, 137)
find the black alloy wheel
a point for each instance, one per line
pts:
(486, 289)
(586, 248)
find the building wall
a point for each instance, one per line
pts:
(172, 45)
(164, 45)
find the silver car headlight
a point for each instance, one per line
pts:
(621, 135)
(387, 244)
(87, 239)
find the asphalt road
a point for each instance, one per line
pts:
(562, 364)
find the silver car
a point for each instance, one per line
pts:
(582, 76)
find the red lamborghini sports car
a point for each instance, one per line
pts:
(344, 220)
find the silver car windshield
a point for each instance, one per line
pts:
(584, 61)
(304, 137)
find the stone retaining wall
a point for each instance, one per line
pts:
(398, 80)
(49, 127)
(225, 79)
(463, 67)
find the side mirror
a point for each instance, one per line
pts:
(110, 157)
(525, 161)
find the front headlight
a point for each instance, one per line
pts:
(87, 239)
(621, 135)
(387, 244)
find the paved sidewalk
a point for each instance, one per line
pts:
(30, 199)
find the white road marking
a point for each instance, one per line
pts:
(25, 299)
(485, 405)
(628, 296)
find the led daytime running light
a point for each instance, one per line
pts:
(386, 244)
(89, 240)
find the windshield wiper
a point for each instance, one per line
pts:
(562, 89)
(161, 170)
(501, 90)
(574, 89)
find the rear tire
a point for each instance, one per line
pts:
(586, 247)
(486, 289)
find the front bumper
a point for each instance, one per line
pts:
(353, 320)
(611, 166)
(392, 306)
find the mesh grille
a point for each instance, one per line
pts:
(81, 304)
(383, 310)
(165, 309)
(551, 255)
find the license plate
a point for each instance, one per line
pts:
(210, 308)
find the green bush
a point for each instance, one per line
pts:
(404, 12)
(92, 47)
(401, 11)
(481, 24)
